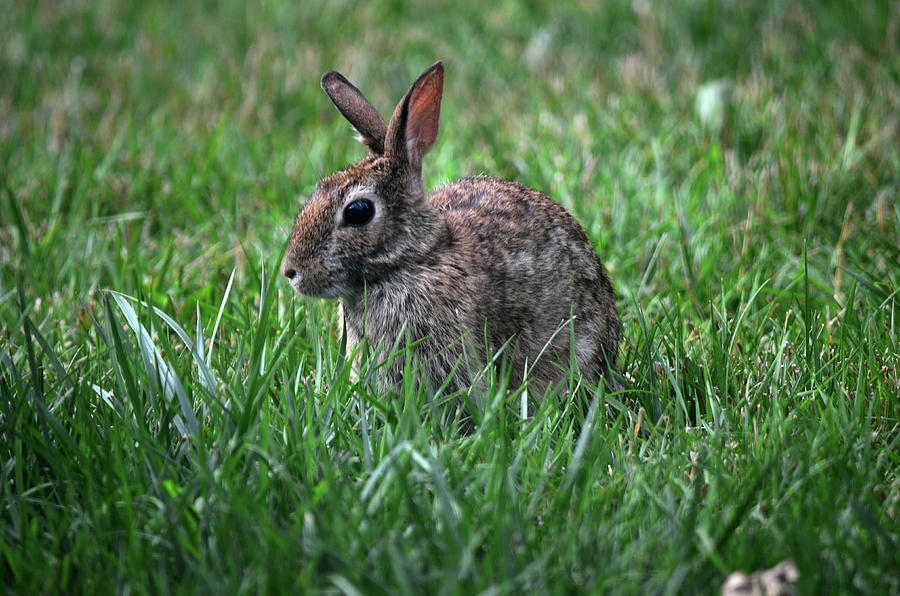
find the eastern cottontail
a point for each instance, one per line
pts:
(464, 270)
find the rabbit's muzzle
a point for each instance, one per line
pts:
(310, 276)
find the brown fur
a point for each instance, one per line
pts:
(477, 263)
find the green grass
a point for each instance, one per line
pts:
(174, 419)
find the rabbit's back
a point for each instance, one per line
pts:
(536, 269)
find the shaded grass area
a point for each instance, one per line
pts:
(160, 152)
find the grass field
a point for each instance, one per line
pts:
(173, 419)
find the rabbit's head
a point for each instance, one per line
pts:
(372, 219)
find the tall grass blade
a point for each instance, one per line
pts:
(212, 337)
(155, 365)
(207, 377)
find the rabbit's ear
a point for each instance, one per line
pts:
(362, 115)
(414, 125)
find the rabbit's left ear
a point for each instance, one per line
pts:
(357, 110)
(414, 125)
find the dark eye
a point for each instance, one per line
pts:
(359, 212)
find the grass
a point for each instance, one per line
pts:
(175, 420)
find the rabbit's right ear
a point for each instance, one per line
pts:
(414, 125)
(357, 110)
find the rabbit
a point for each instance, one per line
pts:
(480, 265)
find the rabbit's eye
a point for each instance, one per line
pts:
(359, 212)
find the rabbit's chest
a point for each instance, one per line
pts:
(423, 306)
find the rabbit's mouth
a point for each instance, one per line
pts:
(308, 286)
(310, 279)
(332, 292)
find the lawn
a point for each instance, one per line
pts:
(174, 419)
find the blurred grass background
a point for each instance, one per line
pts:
(204, 123)
(736, 164)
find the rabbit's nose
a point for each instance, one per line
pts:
(287, 268)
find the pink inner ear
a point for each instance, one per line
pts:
(424, 112)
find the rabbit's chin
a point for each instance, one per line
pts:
(334, 291)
